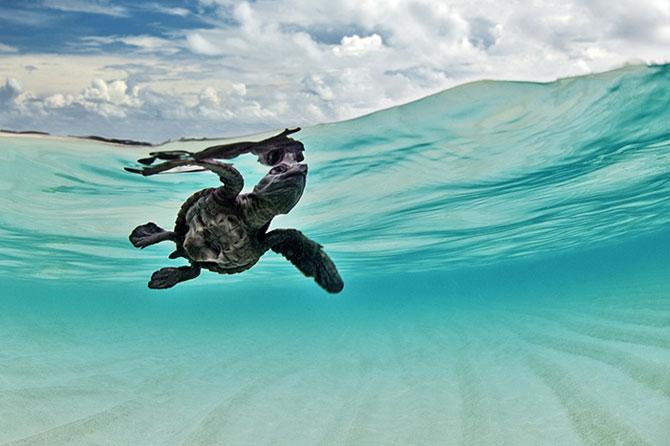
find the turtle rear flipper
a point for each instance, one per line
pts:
(307, 255)
(149, 234)
(169, 277)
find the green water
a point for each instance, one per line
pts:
(504, 248)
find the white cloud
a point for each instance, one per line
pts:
(87, 6)
(240, 89)
(22, 17)
(149, 43)
(358, 46)
(114, 92)
(10, 91)
(319, 86)
(229, 105)
(142, 43)
(200, 45)
(181, 12)
(209, 97)
(7, 48)
(59, 101)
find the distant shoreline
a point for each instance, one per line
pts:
(121, 142)
(114, 141)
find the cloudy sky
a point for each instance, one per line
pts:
(154, 70)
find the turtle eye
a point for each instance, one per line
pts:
(273, 157)
(278, 169)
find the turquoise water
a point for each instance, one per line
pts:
(504, 247)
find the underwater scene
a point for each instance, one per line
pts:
(505, 252)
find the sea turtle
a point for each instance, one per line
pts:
(224, 231)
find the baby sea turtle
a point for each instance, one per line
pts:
(224, 231)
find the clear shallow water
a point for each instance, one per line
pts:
(504, 250)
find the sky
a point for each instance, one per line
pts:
(153, 70)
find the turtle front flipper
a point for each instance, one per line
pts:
(149, 234)
(229, 176)
(169, 277)
(307, 255)
(159, 168)
(270, 151)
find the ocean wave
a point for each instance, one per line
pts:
(482, 173)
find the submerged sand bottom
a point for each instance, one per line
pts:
(561, 369)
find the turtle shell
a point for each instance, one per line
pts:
(180, 225)
(245, 249)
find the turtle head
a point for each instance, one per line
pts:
(281, 188)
